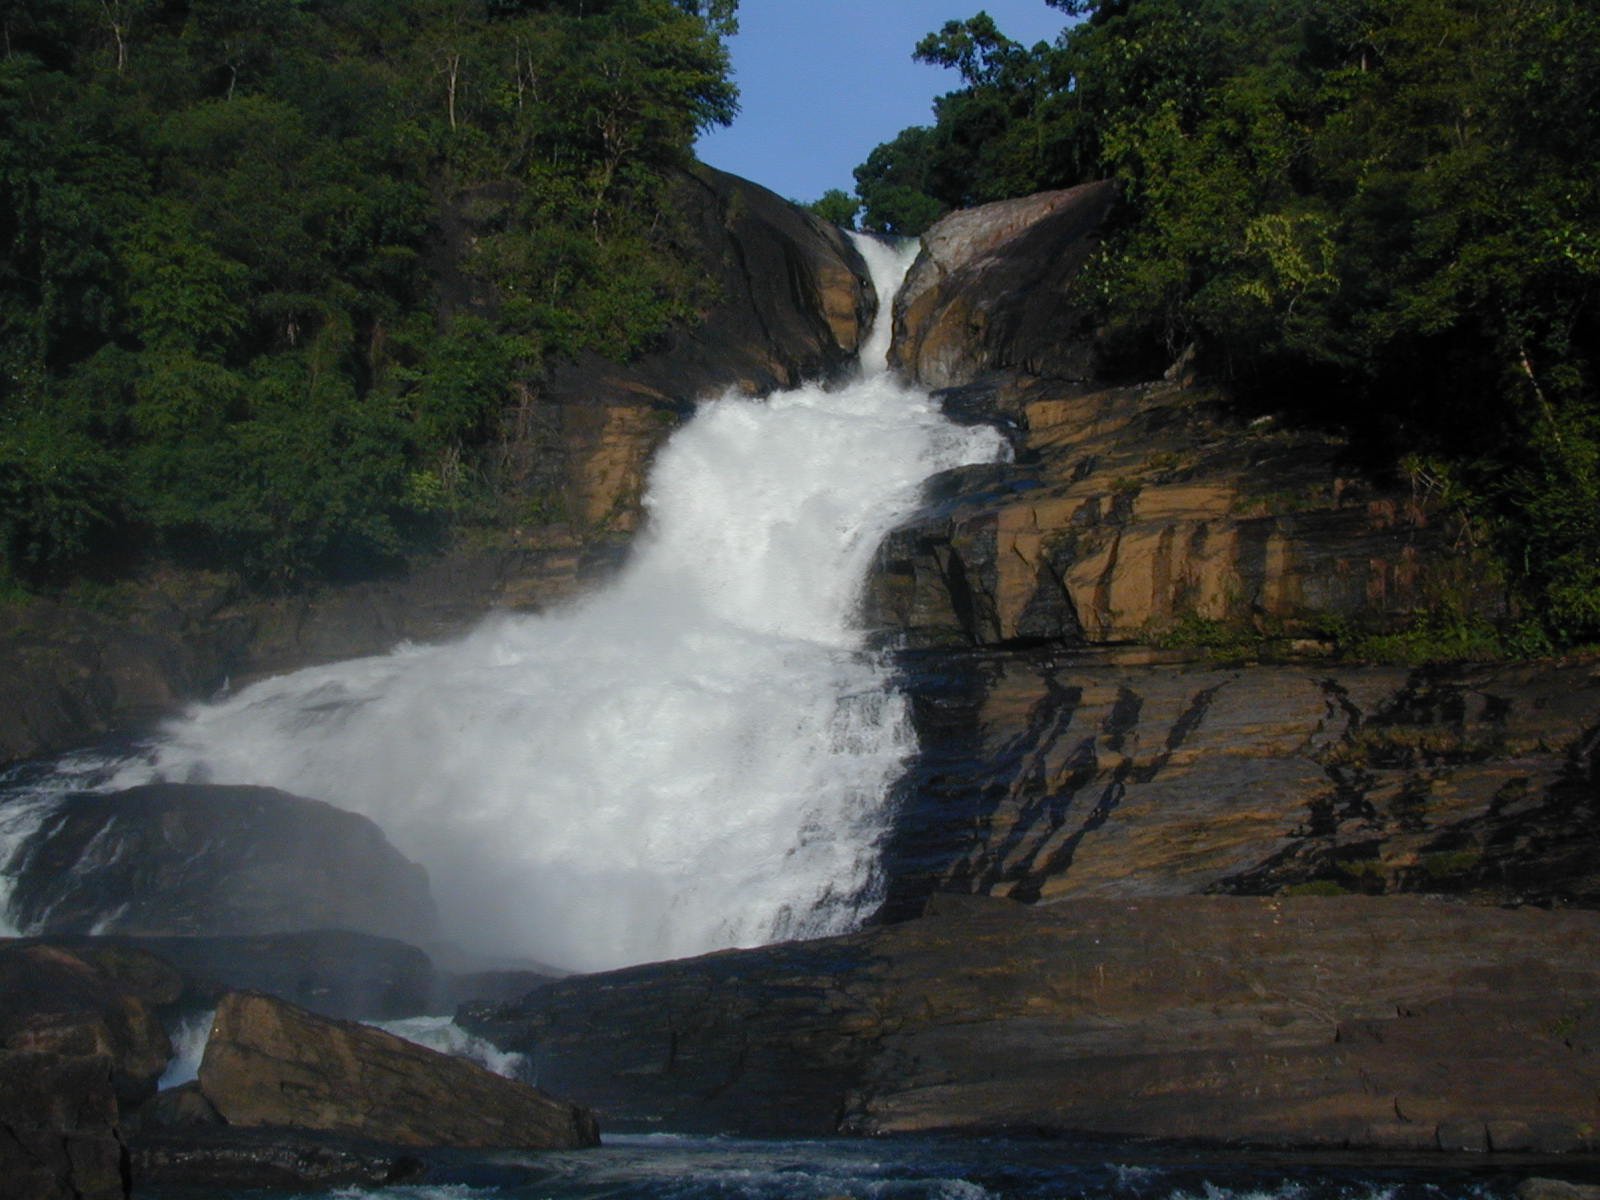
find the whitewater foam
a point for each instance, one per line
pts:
(695, 757)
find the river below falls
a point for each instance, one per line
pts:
(690, 1168)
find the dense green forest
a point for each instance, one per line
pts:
(228, 329)
(1380, 214)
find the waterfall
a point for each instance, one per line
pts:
(697, 756)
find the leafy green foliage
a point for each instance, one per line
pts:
(837, 207)
(222, 227)
(1378, 213)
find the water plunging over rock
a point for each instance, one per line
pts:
(696, 757)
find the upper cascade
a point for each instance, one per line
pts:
(695, 757)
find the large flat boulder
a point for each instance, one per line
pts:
(195, 859)
(1357, 1022)
(270, 1063)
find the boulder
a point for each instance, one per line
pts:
(1392, 1022)
(197, 859)
(79, 1045)
(992, 289)
(93, 1003)
(270, 1063)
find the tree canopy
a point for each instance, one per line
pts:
(231, 327)
(1380, 213)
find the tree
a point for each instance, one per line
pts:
(837, 207)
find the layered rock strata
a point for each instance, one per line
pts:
(1132, 511)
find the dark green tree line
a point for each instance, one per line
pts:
(223, 226)
(1383, 213)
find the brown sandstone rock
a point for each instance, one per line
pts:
(1133, 510)
(269, 1063)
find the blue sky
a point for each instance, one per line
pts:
(824, 81)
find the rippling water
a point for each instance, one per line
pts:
(684, 1168)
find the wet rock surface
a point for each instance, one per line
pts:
(334, 972)
(79, 1044)
(1114, 773)
(1384, 1023)
(226, 1158)
(269, 1063)
(210, 859)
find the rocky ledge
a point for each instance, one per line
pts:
(1392, 1023)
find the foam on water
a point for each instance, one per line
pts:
(696, 757)
(445, 1036)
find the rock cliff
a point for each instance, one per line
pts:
(1048, 775)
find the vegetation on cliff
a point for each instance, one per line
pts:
(270, 269)
(1383, 215)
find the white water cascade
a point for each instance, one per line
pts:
(696, 757)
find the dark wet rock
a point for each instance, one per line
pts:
(1047, 775)
(181, 1107)
(73, 672)
(335, 972)
(269, 1063)
(1391, 1023)
(79, 1047)
(992, 289)
(1540, 1188)
(691, 1045)
(210, 859)
(218, 1158)
(59, 1130)
(89, 1005)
